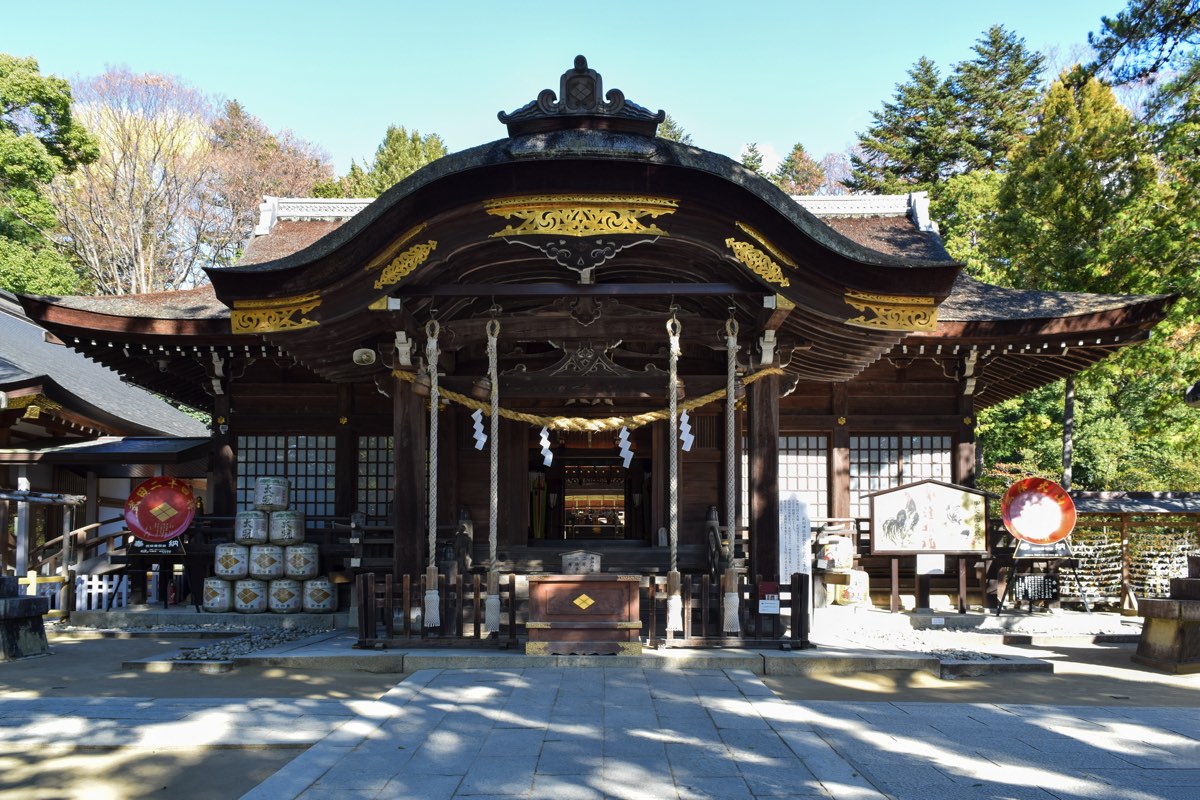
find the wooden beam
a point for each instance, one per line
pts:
(579, 290)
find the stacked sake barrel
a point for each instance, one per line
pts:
(268, 567)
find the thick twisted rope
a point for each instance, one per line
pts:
(674, 600)
(589, 424)
(432, 615)
(492, 601)
(731, 348)
(730, 601)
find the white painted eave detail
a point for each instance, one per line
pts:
(306, 209)
(914, 205)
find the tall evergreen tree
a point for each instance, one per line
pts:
(994, 95)
(1148, 37)
(671, 130)
(911, 144)
(399, 155)
(752, 158)
(799, 173)
(1070, 188)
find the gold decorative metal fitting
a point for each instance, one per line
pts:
(280, 314)
(220, 420)
(629, 648)
(402, 265)
(537, 648)
(584, 602)
(343, 420)
(758, 261)
(967, 420)
(892, 312)
(580, 215)
(841, 420)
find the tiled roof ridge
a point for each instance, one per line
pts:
(914, 205)
(306, 209)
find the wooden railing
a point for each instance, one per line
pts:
(387, 613)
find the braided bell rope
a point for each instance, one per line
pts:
(432, 615)
(730, 601)
(491, 620)
(674, 601)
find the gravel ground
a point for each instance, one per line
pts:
(242, 639)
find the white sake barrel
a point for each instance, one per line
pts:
(250, 596)
(287, 527)
(319, 596)
(250, 527)
(300, 561)
(271, 494)
(284, 596)
(232, 561)
(218, 595)
(266, 561)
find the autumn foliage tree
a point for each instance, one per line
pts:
(175, 187)
(799, 173)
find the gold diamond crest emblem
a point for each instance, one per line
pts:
(163, 512)
(583, 601)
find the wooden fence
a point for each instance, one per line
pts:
(390, 613)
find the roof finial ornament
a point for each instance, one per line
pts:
(581, 103)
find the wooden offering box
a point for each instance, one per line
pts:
(583, 615)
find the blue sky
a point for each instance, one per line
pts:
(338, 73)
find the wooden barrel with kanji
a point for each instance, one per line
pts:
(284, 596)
(271, 494)
(218, 595)
(319, 596)
(250, 527)
(232, 561)
(250, 596)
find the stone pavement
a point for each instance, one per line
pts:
(573, 734)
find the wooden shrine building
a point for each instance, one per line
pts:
(863, 352)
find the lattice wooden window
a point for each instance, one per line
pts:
(307, 461)
(376, 471)
(884, 462)
(803, 469)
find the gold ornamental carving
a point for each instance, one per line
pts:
(892, 312)
(402, 265)
(268, 316)
(775, 252)
(581, 215)
(757, 260)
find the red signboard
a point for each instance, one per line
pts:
(1038, 511)
(160, 509)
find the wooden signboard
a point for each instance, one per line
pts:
(928, 517)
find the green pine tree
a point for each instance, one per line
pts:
(752, 158)
(799, 173)
(994, 95)
(671, 130)
(911, 144)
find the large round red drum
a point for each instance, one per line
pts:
(1038, 511)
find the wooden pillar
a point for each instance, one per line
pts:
(764, 476)
(345, 454)
(839, 468)
(514, 484)
(409, 445)
(1068, 431)
(964, 448)
(222, 492)
(451, 425)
